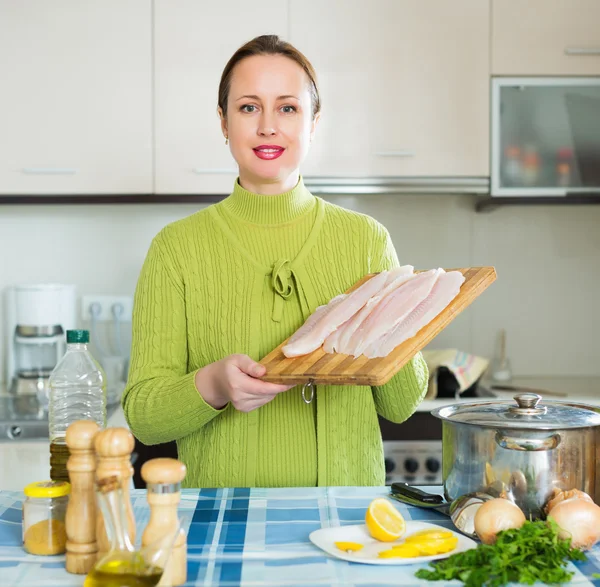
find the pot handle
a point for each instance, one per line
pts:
(528, 444)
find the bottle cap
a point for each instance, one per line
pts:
(47, 489)
(78, 336)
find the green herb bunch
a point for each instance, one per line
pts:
(528, 554)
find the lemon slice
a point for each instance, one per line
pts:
(431, 547)
(348, 546)
(384, 522)
(429, 535)
(400, 551)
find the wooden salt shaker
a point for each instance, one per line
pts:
(82, 548)
(113, 450)
(163, 479)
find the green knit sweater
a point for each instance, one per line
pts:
(240, 277)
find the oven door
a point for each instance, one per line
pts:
(413, 450)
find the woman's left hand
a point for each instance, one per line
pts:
(234, 380)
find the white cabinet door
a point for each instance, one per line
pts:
(405, 86)
(546, 37)
(75, 104)
(193, 42)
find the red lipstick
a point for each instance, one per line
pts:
(268, 152)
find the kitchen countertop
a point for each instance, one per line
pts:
(249, 537)
(584, 390)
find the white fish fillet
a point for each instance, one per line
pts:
(444, 291)
(393, 274)
(311, 335)
(332, 342)
(392, 310)
(348, 329)
(312, 320)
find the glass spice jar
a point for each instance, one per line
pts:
(44, 512)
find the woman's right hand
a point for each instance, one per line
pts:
(234, 380)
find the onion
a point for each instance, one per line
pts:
(578, 519)
(496, 515)
(559, 495)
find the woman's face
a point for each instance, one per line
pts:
(269, 122)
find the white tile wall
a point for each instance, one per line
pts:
(547, 258)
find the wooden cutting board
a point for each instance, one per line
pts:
(323, 368)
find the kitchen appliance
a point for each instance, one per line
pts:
(413, 449)
(525, 448)
(545, 136)
(37, 318)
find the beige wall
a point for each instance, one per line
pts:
(547, 258)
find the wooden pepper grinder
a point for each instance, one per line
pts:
(163, 479)
(113, 450)
(82, 548)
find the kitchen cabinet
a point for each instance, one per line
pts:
(546, 37)
(75, 106)
(192, 43)
(404, 84)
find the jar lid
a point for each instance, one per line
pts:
(527, 412)
(47, 489)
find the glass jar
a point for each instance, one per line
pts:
(44, 512)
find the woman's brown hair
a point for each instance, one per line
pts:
(268, 45)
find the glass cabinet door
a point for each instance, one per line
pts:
(545, 136)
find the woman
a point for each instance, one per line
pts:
(223, 287)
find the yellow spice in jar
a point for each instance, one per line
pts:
(46, 537)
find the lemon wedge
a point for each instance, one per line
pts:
(384, 522)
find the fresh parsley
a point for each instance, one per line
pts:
(531, 553)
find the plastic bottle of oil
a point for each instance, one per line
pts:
(124, 566)
(77, 392)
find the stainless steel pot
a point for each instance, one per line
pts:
(524, 449)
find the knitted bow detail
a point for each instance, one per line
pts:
(282, 282)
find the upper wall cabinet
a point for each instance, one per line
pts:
(75, 105)
(546, 37)
(404, 86)
(193, 42)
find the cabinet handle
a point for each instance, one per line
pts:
(202, 171)
(401, 153)
(48, 171)
(582, 50)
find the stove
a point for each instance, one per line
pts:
(413, 450)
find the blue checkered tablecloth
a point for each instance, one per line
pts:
(248, 537)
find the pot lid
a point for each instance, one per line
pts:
(527, 411)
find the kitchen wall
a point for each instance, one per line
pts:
(547, 259)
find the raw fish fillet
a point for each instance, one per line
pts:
(332, 342)
(312, 320)
(444, 291)
(393, 274)
(348, 329)
(392, 310)
(311, 335)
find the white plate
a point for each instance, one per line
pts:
(325, 539)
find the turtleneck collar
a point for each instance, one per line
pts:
(261, 209)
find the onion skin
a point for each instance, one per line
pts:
(579, 520)
(559, 496)
(496, 515)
